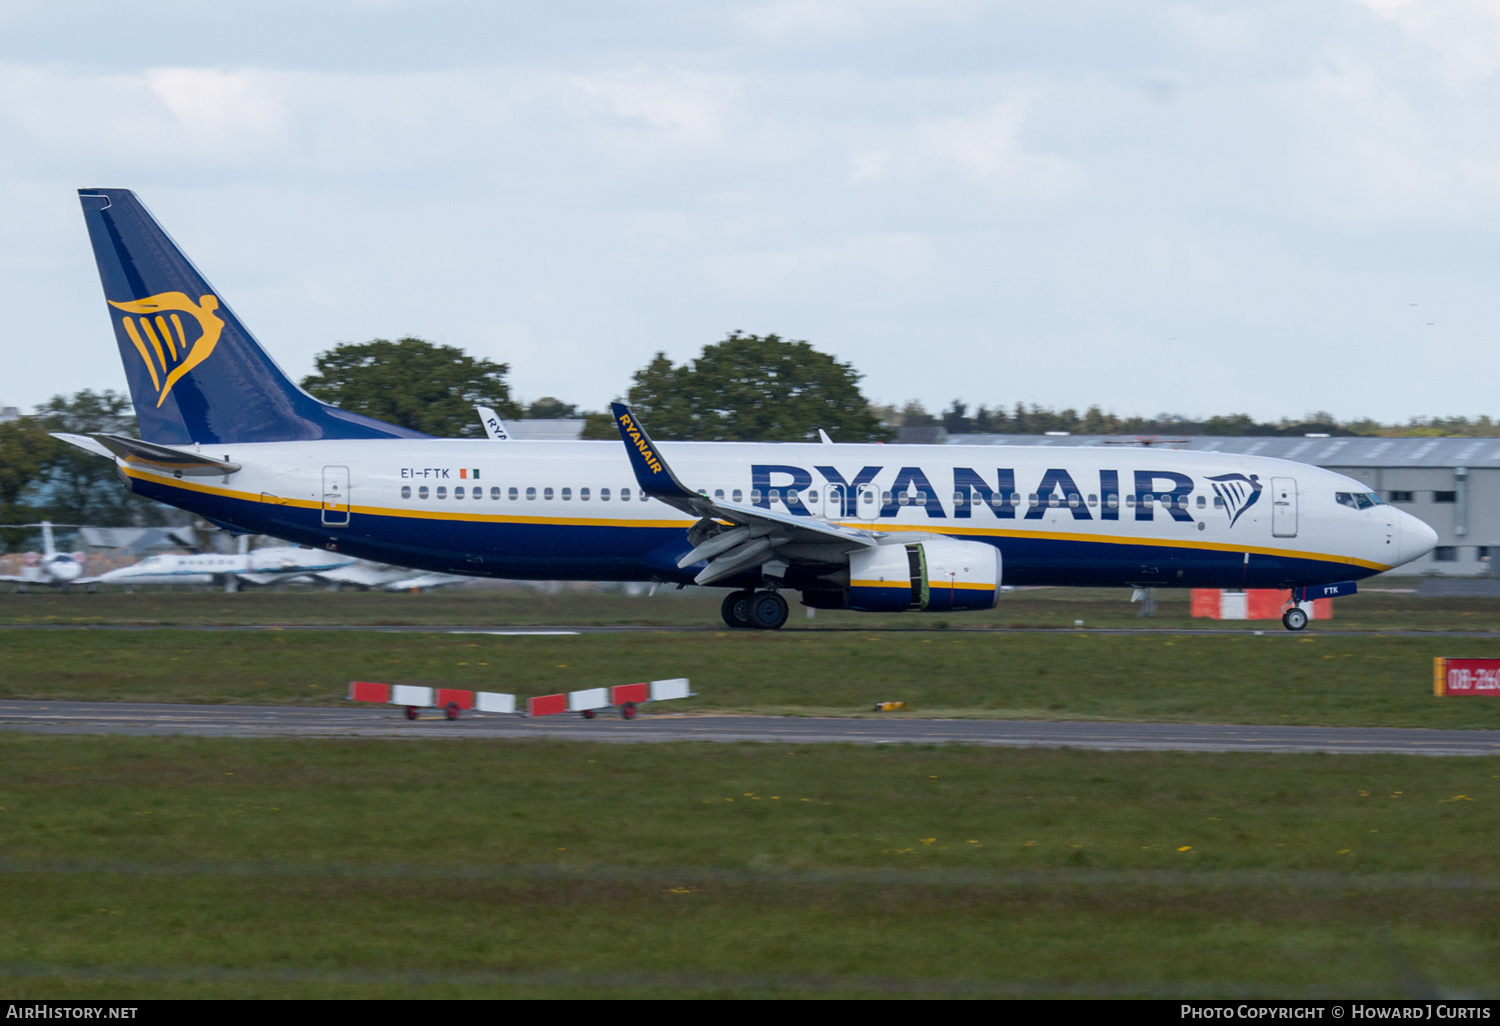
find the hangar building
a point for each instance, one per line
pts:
(1453, 484)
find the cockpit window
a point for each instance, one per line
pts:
(1358, 500)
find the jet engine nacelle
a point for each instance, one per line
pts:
(939, 575)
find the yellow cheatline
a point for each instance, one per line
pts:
(683, 523)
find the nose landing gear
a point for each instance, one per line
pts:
(1294, 619)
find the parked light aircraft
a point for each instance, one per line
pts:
(226, 435)
(50, 567)
(259, 566)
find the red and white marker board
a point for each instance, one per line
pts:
(1252, 604)
(1465, 676)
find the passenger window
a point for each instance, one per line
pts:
(735, 496)
(1074, 500)
(1147, 499)
(1093, 500)
(718, 493)
(531, 495)
(754, 495)
(1202, 502)
(546, 494)
(512, 494)
(812, 495)
(422, 492)
(1130, 500)
(567, 494)
(1218, 502)
(583, 495)
(885, 498)
(996, 501)
(478, 492)
(1112, 501)
(624, 494)
(959, 498)
(604, 495)
(921, 499)
(442, 491)
(495, 493)
(903, 499)
(406, 491)
(458, 492)
(775, 494)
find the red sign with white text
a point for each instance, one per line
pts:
(1470, 676)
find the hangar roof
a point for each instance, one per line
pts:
(1322, 452)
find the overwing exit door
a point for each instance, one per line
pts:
(1283, 507)
(335, 496)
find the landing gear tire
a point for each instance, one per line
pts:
(1294, 619)
(736, 610)
(768, 610)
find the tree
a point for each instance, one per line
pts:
(80, 487)
(548, 408)
(754, 388)
(25, 449)
(412, 383)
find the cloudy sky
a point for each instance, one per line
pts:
(1193, 208)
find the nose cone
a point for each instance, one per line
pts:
(1416, 539)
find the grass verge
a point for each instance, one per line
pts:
(157, 867)
(1327, 680)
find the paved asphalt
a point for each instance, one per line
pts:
(550, 630)
(143, 719)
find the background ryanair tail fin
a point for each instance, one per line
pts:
(196, 374)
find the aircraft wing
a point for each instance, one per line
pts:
(366, 575)
(424, 581)
(733, 537)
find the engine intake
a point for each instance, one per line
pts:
(937, 576)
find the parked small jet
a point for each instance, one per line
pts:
(49, 567)
(227, 435)
(259, 566)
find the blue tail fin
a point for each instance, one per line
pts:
(196, 374)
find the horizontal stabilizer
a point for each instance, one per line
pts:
(83, 442)
(162, 457)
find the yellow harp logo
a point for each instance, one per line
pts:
(159, 338)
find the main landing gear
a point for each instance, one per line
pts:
(758, 610)
(1294, 619)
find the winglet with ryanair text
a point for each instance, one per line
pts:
(651, 471)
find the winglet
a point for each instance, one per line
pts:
(494, 427)
(651, 471)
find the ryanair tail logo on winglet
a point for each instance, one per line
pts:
(158, 332)
(640, 443)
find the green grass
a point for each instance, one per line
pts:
(483, 868)
(1363, 681)
(1047, 607)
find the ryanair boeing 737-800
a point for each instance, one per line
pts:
(227, 435)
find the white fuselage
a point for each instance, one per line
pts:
(573, 510)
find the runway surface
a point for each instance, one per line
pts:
(148, 720)
(558, 630)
